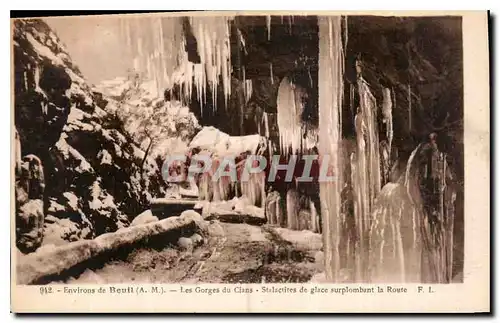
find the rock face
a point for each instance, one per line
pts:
(81, 175)
(30, 186)
(43, 75)
(30, 225)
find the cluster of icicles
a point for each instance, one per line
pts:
(289, 108)
(295, 135)
(349, 250)
(158, 43)
(389, 238)
(159, 47)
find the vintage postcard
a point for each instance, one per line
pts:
(251, 162)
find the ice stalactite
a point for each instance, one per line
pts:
(396, 226)
(449, 196)
(267, 132)
(331, 70)
(360, 175)
(366, 177)
(352, 94)
(387, 115)
(314, 217)
(292, 209)
(271, 72)
(248, 90)
(410, 122)
(222, 189)
(266, 125)
(411, 236)
(205, 187)
(214, 47)
(274, 212)
(241, 40)
(254, 189)
(395, 247)
(431, 181)
(290, 22)
(409, 107)
(369, 131)
(386, 145)
(210, 190)
(358, 217)
(385, 162)
(158, 45)
(199, 80)
(268, 24)
(409, 168)
(289, 117)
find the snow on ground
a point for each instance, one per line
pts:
(222, 144)
(55, 207)
(138, 153)
(118, 81)
(76, 115)
(304, 238)
(68, 151)
(106, 158)
(76, 121)
(44, 51)
(210, 138)
(72, 200)
(114, 87)
(239, 253)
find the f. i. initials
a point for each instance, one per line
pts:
(421, 289)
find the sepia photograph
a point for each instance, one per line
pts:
(238, 149)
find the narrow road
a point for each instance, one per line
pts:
(243, 254)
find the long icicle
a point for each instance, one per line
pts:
(268, 24)
(289, 121)
(387, 107)
(331, 66)
(409, 91)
